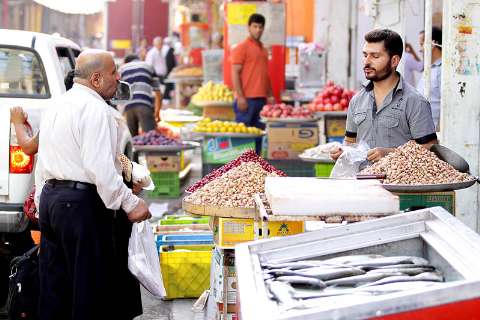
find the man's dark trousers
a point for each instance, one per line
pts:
(76, 255)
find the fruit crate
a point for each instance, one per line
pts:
(323, 169)
(186, 272)
(294, 168)
(167, 184)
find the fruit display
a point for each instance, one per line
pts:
(217, 92)
(187, 71)
(160, 136)
(247, 156)
(283, 110)
(332, 98)
(415, 165)
(208, 126)
(234, 189)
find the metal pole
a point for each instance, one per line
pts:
(427, 49)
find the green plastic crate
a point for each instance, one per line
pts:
(323, 169)
(294, 168)
(167, 184)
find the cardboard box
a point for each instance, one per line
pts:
(163, 163)
(230, 316)
(231, 308)
(415, 201)
(221, 150)
(227, 232)
(335, 126)
(288, 140)
(224, 272)
(219, 113)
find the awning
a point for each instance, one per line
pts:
(74, 7)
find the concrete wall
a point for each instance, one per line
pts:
(332, 30)
(460, 117)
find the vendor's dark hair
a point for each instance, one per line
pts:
(391, 40)
(130, 58)
(437, 36)
(256, 18)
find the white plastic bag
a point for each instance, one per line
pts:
(141, 175)
(143, 260)
(348, 163)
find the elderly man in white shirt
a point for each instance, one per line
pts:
(156, 59)
(77, 159)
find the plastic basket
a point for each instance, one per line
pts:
(173, 220)
(167, 184)
(186, 271)
(183, 239)
(323, 169)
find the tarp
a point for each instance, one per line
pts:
(74, 7)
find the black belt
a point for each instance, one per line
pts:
(70, 184)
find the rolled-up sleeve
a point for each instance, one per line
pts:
(351, 128)
(98, 150)
(420, 121)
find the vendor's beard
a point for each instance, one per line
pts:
(384, 74)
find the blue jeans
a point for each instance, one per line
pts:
(251, 117)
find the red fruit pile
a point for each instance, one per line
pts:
(332, 98)
(283, 110)
(247, 156)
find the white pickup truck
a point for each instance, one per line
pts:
(32, 71)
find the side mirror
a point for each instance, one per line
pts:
(123, 93)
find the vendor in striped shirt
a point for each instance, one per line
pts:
(144, 108)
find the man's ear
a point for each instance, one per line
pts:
(395, 61)
(95, 79)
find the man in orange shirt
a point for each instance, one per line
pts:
(250, 75)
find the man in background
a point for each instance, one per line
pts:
(250, 75)
(139, 111)
(435, 74)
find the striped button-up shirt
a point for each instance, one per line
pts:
(405, 115)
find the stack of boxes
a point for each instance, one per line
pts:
(285, 141)
(227, 232)
(165, 171)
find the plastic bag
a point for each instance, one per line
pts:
(143, 261)
(348, 163)
(141, 176)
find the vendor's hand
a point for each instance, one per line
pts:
(18, 116)
(336, 153)
(140, 213)
(376, 154)
(137, 188)
(271, 100)
(242, 104)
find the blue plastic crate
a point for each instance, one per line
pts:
(183, 239)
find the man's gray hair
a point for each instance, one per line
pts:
(157, 39)
(86, 71)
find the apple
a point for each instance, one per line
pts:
(334, 99)
(344, 103)
(337, 107)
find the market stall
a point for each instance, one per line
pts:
(162, 152)
(431, 253)
(187, 80)
(216, 100)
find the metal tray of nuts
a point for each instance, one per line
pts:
(226, 212)
(408, 188)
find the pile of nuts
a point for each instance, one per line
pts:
(247, 156)
(233, 189)
(413, 164)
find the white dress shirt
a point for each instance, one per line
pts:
(156, 59)
(435, 90)
(79, 142)
(410, 66)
